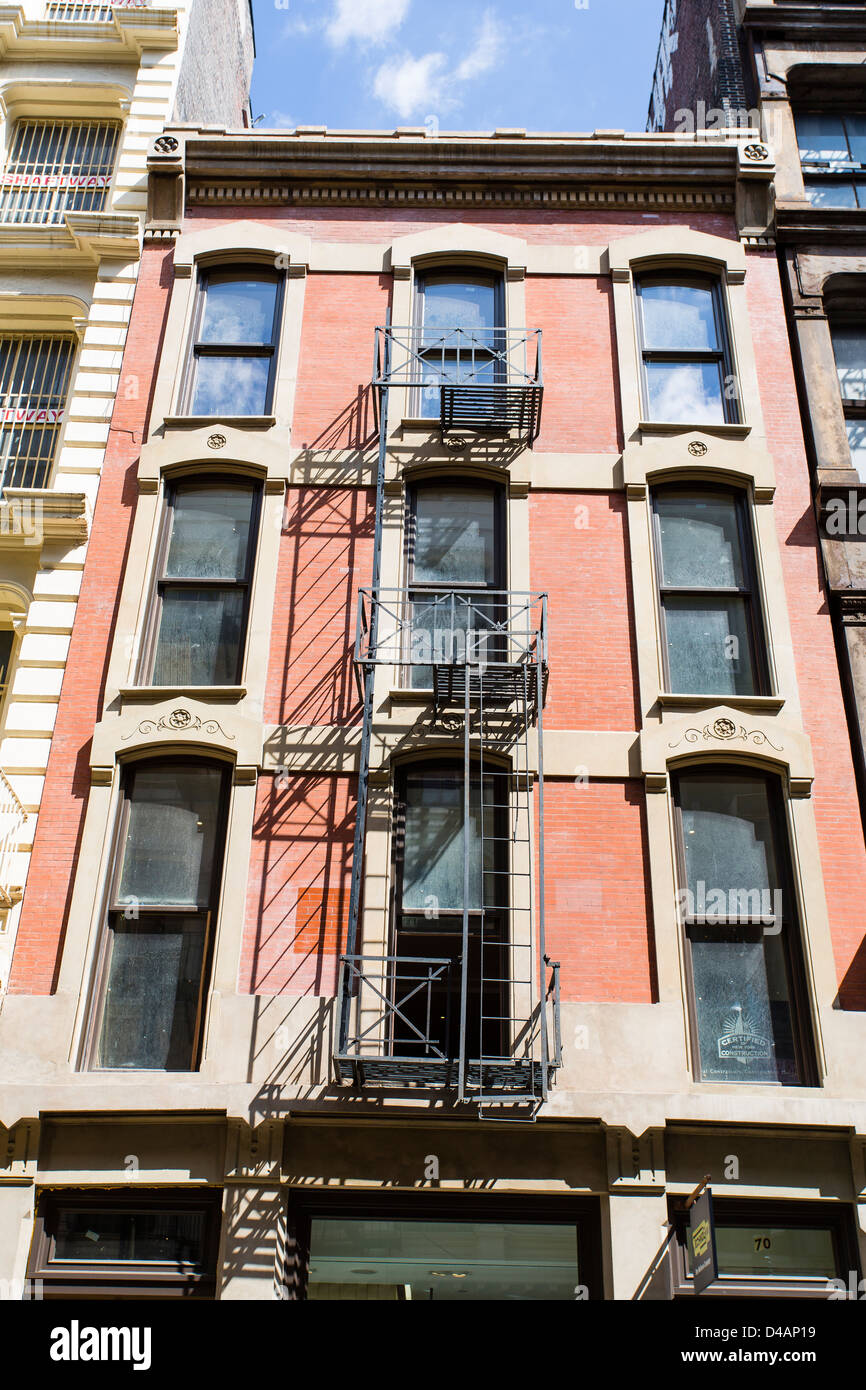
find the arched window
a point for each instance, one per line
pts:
(235, 340)
(459, 323)
(163, 899)
(685, 348)
(429, 863)
(205, 568)
(748, 1002)
(712, 634)
(456, 563)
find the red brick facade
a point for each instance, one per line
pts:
(599, 917)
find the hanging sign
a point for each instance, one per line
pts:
(702, 1241)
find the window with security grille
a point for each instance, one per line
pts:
(34, 381)
(55, 167)
(63, 12)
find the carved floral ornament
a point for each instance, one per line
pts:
(179, 720)
(724, 730)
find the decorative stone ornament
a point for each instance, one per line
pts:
(216, 441)
(757, 153)
(724, 730)
(179, 720)
(165, 144)
(698, 449)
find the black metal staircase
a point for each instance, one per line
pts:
(486, 658)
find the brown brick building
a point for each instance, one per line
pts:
(794, 69)
(451, 735)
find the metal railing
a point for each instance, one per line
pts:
(427, 627)
(396, 1034)
(76, 11)
(393, 1013)
(55, 167)
(12, 819)
(466, 356)
(34, 384)
(486, 379)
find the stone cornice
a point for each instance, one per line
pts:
(461, 198)
(536, 163)
(461, 170)
(798, 224)
(814, 23)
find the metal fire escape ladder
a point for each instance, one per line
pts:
(487, 656)
(513, 1062)
(348, 968)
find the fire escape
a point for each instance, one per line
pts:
(482, 1023)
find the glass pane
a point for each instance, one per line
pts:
(830, 193)
(460, 301)
(471, 366)
(199, 638)
(821, 138)
(857, 442)
(681, 317)
(238, 311)
(171, 835)
(856, 130)
(743, 1010)
(442, 1260)
(728, 835)
(152, 993)
(686, 391)
(700, 540)
(231, 386)
(774, 1251)
(849, 349)
(433, 847)
(449, 628)
(170, 1237)
(454, 536)
(210, 532)
(708, 646)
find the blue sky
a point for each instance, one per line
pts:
(543, 65)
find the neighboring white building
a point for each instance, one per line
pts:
(84, 89)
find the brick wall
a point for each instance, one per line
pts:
(326, 554)
(213, 92)
(578, 550)
(699, 68)
(298, 886)
(597, 908)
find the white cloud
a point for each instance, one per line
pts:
(370, 21)
(281, 120)
(485, 54)
(408, 84)
(296, 25)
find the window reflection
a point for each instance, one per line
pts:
(446, 1261)
(234, 353)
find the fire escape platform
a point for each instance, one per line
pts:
(499, 686)
(492, 409)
